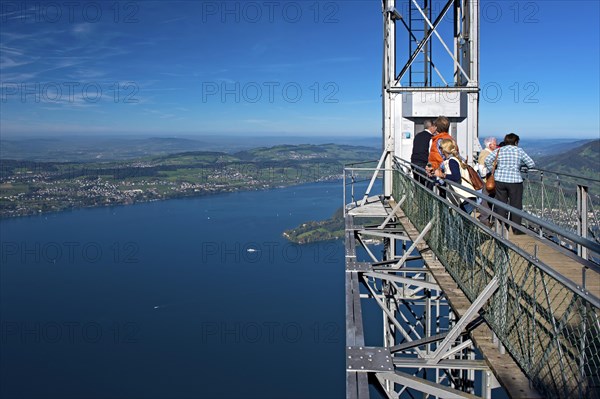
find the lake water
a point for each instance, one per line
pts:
(191, 298)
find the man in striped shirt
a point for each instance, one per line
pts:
(509, 183)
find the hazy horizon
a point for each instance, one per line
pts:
(192, 136)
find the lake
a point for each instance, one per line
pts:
(188, 298)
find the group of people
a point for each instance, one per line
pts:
(436, 152)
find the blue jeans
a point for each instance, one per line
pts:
(469, 207)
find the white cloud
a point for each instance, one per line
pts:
(82, 29)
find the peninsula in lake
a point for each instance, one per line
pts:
(314, 231)
(326, 230)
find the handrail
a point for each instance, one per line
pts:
(585, 263)
(592, 245)
(346, 165)
(372, 169)
(559, 315)
(545, 322)
(571, 202)
(564, 174)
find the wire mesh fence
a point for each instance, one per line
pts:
(565, 200)
(552, 331)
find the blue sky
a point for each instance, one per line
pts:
(275, 67)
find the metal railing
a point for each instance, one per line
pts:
(547, 323)
(354, 174)
(571, 202)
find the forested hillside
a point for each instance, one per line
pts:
(582, 161)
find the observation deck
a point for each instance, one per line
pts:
(463, 308)
(437, 303)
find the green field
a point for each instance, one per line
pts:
(28, 187)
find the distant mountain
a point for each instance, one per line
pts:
(323, 152)
(93, 149)
(546, 147)
(113, 148)
(584, 161)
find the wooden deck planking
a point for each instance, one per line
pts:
(552, 298)
(559, 262)
(506, 370)
(372, 208)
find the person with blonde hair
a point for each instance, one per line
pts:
(455, 169)
(490, 144)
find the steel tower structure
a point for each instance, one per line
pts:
(429, 83)
(439, 76)
(438, 304)
(421, 331)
